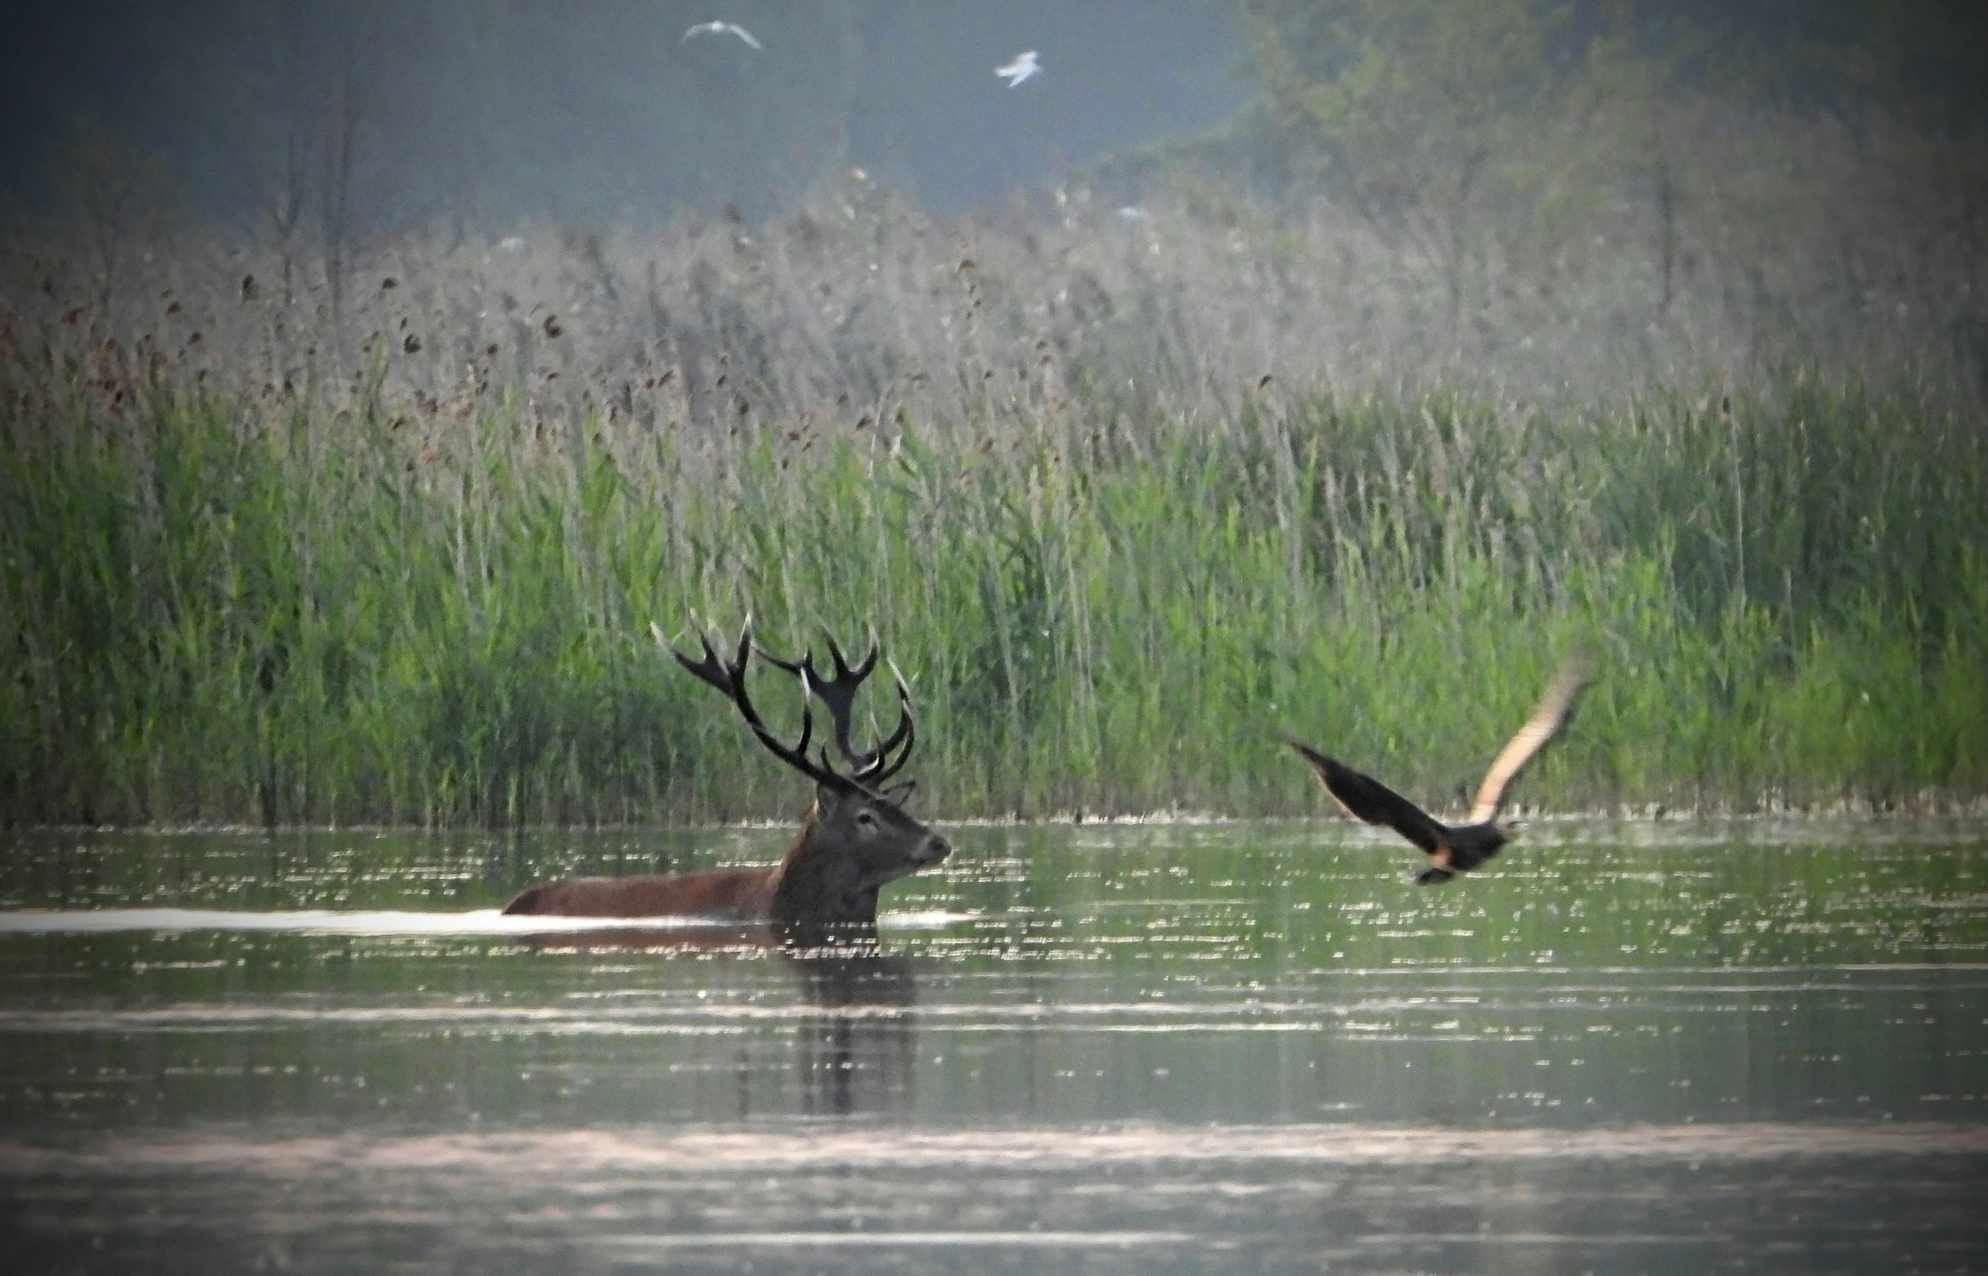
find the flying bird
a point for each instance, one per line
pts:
(716, 27)
(1456, 848)
(1020, 69)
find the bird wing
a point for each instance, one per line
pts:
(744, 34)
(1365, 798)
(695, 28)
(1547, 718)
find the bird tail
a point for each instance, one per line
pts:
(1433, 877)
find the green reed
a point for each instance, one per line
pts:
(230, 609)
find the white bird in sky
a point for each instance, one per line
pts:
(1020, 69)
(716, 27)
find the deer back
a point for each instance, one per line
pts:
(722, 893)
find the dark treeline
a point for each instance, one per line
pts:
(492, 114)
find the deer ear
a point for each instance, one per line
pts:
(900, 793)
(827, 798)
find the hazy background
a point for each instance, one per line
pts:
(494, 112)
(1542, 198)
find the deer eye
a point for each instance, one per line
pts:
(866, 819)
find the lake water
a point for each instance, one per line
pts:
(1657, 1046)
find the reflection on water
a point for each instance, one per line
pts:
(1644, 1046)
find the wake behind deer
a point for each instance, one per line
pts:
(855, 838)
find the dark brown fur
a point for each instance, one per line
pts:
(823, 890)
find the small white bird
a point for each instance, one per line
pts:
(1020, 69)
(715, 27)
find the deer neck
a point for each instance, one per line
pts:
(819, 896)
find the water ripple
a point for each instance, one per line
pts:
(696, 1152)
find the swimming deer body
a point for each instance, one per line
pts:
(855, 839)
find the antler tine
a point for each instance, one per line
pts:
(862, 671)
(880, 767)
(805, 663)
(738, 665)
(711, 669)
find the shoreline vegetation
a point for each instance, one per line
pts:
(1929, 814)
(231, 611)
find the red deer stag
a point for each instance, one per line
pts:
(854, 839)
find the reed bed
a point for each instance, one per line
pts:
(216, 605)
(302, 528)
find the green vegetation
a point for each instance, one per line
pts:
(247, 609)
(340, 518)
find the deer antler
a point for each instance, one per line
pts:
(907, 731)
(875, 765)
(729, 677)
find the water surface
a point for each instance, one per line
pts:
(1659, 1046)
